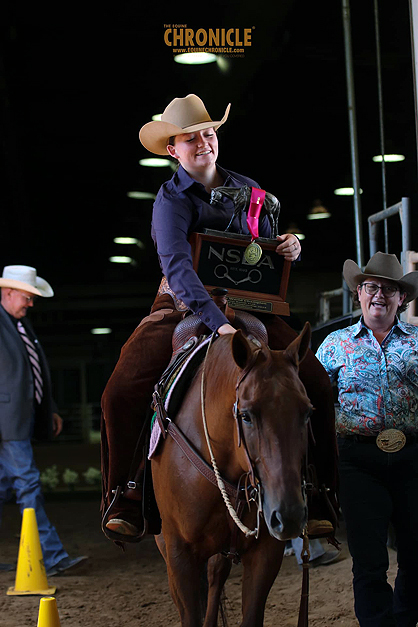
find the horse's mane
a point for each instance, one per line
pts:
(220, 362)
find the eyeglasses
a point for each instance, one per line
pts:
(387, 290)
(28, 298)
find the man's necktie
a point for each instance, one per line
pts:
(34, 361)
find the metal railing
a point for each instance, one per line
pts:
(403, 210)
(325, 303)
(411, 265)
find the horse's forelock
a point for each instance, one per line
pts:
(277, 364)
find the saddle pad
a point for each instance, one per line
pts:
(177, 390)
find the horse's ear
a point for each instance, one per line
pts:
(241, 350)
(297, 349)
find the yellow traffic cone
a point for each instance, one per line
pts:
(30, 572)
(48, 613)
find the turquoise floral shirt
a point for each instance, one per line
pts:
(377, 384)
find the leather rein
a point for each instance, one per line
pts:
(255, 483)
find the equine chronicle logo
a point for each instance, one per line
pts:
(230, 42)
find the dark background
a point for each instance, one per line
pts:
(77, 83)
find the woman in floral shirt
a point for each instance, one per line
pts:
(375, 366)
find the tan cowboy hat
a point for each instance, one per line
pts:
(382, 266)
(25, 278)
(182, 115)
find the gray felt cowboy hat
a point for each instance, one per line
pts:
(25, 278)
(382, 266)
(182, 115)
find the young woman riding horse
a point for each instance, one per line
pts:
(182, 206)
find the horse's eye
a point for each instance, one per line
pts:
(245, 416)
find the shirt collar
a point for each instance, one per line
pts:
(402, 327)
(183, 181)
(360, 326)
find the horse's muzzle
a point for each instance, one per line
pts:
(287, 521)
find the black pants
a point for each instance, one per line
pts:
(376, 488)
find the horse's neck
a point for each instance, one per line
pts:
(220, 378)
(219, 375)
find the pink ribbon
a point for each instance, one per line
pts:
(256, 202)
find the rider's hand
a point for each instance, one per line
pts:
(224, 329)
(289, 246)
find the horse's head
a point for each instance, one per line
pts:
(272, 411)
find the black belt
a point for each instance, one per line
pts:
(411, 437)
(388, 440)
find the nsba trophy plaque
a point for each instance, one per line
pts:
(256, 280)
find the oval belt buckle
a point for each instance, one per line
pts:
(391, 440)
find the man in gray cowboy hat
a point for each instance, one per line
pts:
(375, 365)
(26, 407)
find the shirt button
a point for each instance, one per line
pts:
(200, 313)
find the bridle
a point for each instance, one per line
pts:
(251, 475)
(238, 418)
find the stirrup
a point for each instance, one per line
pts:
(319, 528)
(122, 527)
(119, 538)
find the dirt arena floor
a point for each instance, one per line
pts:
(130, 589)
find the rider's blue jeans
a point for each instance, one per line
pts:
(19, 473)
(376, 488)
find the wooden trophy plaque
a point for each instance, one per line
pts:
(218, 259)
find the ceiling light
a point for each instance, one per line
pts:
(121, 259)
(222, 63)
(318, 211)
(128, 240)
(101, 331)
(295, 230)
(154, 162)
(195, 58)
(141, 195)
(389, 158)
(125, 240)
(346, 191)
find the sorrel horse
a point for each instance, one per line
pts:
(255, 411)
